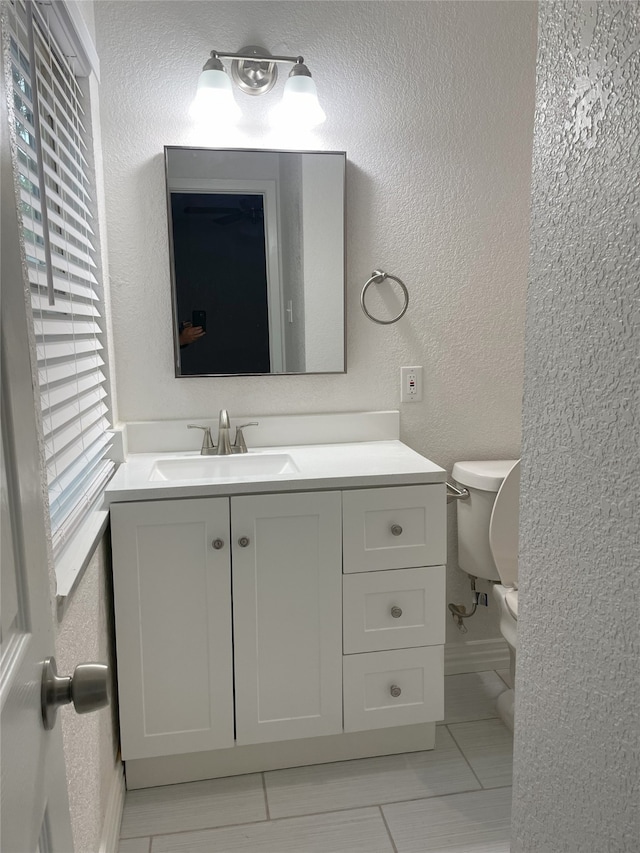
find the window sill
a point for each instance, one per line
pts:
(76, 556)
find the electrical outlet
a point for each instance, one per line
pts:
(410, 384)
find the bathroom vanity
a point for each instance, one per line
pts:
(280, 608)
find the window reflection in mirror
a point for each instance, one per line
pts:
(257, 261)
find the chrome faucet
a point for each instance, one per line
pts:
(224, 446)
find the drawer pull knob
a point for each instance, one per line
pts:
(218, 544)
(243, 541)
(396, 529)
(395, 691)
(396, 612)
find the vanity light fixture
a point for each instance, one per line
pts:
(255, 72)
(214, 97)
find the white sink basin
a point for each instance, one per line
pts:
(241, 466)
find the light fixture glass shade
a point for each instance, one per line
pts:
(299, 106)
(214, 99)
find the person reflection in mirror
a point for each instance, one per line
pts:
(189, 333)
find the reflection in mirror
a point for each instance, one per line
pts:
(257, 261)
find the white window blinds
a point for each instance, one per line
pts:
(56, 187)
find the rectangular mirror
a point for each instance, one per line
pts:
(256, 243)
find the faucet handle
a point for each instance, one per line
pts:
(240, 445)
(207, 441)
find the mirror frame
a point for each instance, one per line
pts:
(172, 266)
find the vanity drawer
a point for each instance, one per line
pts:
(394, 528)
(394, 688)
(393, 610)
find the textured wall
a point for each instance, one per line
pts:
(433, 103)
(577, 764)
(89, 741)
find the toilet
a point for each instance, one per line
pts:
(488, 544)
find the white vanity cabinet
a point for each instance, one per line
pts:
(256, 631)
(174, 566)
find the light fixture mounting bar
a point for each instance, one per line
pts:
(252, 57)
(253, 69)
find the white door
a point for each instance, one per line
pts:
(287, 615)
(35, 808)
(172, 591)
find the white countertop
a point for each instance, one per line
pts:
(364, 464)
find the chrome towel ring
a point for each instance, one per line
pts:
(379, 276)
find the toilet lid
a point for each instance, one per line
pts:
(511, 600)
(503, 527)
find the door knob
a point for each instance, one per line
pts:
(396, 529)
(395, 691)
(87, 688)
(243, 541)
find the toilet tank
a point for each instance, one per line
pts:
(483, 480)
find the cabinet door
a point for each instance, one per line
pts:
(287, 616)
(173, 626)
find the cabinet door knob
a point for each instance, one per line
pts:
(396, 612)
(396, 529)
(218, 544)
(395, 691)
(243, 541)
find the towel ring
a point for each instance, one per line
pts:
(378, 276)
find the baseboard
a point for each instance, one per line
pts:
(276, 755)
(475, 656)
(110, 835)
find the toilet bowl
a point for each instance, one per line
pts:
(488, 545)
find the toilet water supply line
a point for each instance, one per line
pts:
(459, 611)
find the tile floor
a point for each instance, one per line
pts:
(455, 798)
